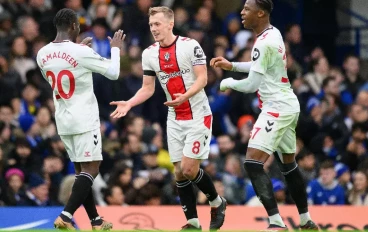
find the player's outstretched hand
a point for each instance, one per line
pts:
(225, 84)
(179, 99)
(122, 108)
(117, 40)
(221, 62)
(87, 41)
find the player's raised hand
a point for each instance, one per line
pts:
(221, 62)
(117, 40)
(87, 41)
(122, 108)
(179, 99)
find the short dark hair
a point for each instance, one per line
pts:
(359, 126)
(266, 5)
(327, 164)
(65, 18)
(327, 80)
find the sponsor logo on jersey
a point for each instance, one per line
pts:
(198, 52)
(164, 77)
(256, 54)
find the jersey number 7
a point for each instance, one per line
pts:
(57, 81)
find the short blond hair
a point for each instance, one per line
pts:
(168, 13)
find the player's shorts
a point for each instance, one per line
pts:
(274, 131)
(190, 138)
(85, 147)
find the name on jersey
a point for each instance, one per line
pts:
(164, 77)
(59, 55)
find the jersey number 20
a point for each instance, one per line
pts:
(57, 80)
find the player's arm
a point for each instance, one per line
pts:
(221, 62)
(200, 72)
(110, 68)
(248, 85)
(142, 95)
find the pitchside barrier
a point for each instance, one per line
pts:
(172, 217)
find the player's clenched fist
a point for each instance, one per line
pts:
(117, 40)
(221, 62)
(122, 108)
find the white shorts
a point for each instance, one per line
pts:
(274, 131)
(190, 138)
(85, 147)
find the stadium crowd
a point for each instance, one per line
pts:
(332, 145)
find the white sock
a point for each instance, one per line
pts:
(67, 214)
(304, 218)
(276, 220)
(217, 202)
(194, 222)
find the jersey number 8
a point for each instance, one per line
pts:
(57, 80)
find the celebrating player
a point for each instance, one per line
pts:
(275, 127)
(180, 65)
(68, 67)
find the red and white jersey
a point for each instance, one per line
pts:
(173, 66)
(68, 68)
(269, 58)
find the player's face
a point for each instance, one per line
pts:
(160, 26)
(249, 14)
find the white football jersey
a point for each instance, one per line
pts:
(68, 68)
(269, 58)
(173, 66)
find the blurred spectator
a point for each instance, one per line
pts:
(37, 193)
(114, 196)
(293, 36)
(359, 194)
(319, 71)
(353, 80)
(83, 17)
(307, 165)
(356, 150)
(344, 177)
(29, 29)
(66, 189)
(15, 192)
(326, 190)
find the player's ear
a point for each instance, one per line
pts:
(74, 26)
(261, 13)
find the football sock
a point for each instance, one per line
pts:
(81, 186)
(90, 207)
(262, 185)
(276, 220)
(304, 218)
(194, 222)
(297, 188)
(187, 199)
(205, 184)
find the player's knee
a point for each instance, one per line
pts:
(287, 168)
(179, 174)
(190, 172)
(252, 166)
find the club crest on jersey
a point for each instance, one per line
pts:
(167, 56)
(198, 52)
(256, 54)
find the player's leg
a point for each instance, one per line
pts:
(185, 187)
(89, 204)
(266, 132)
(294, 179)
(196, 149)
(187, 198)
(85, 149)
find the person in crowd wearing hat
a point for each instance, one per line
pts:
(307, 164)
(37, 193)
(343, 176)
(14, 193)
